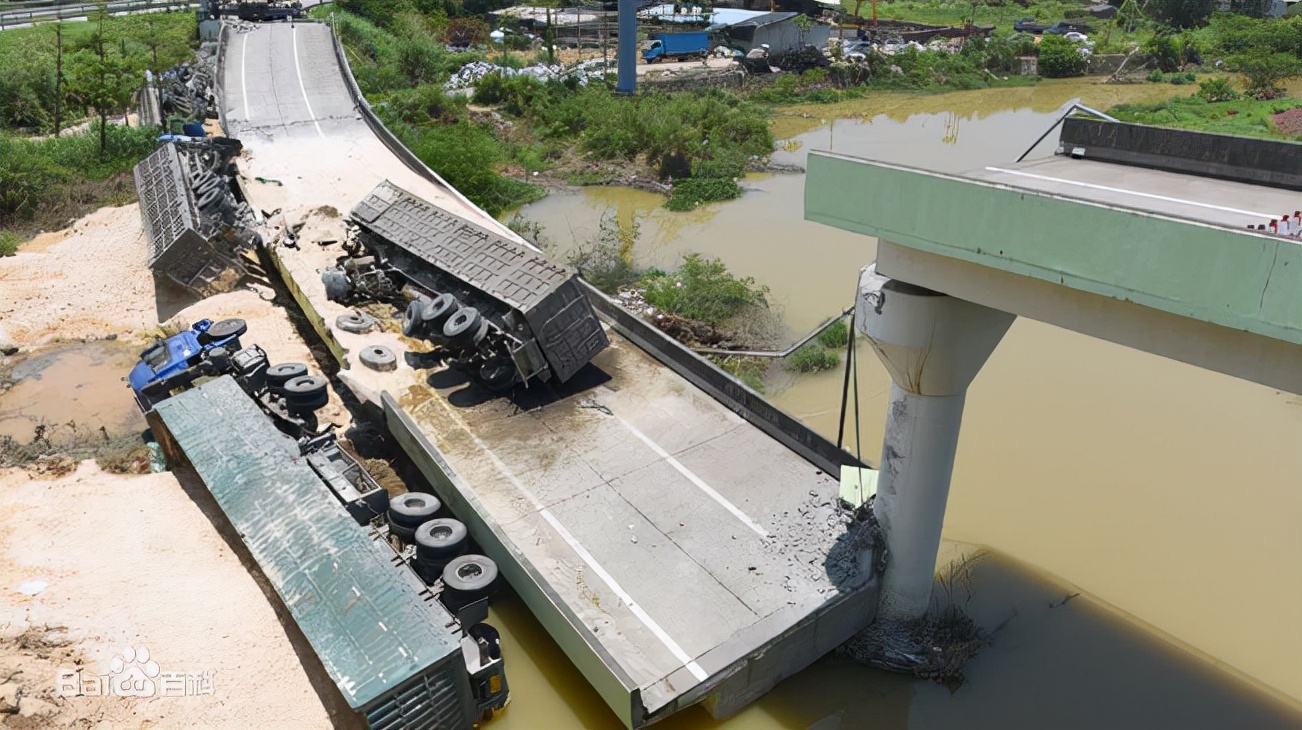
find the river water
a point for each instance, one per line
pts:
(1169, 497)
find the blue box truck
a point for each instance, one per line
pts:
(677, 46)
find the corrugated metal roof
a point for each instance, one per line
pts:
(366, 620)
(766, 19)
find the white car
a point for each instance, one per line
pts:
(1075, 37)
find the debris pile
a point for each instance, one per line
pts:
(186, 92)
(582, 73)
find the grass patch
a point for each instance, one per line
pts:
(749, 370)
(812, 359)
(28, 57)
(1242, 117)
(836, 335)
(43, 183)
(703, 290)
(9, 243)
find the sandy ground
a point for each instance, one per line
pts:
(116, 563)
(86, 281)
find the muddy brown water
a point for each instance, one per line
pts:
(1168, 496)
(82, 384)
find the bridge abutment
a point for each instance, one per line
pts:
(932, 345)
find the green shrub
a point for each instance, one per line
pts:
(812, 359)
(466, 155)
(9, 243)
(836, 335)
(35, 172)
(606, 261)
(1060, 58)
(691, 192)
(1217, 89)
(702, 289)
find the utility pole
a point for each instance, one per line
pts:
(58, 79)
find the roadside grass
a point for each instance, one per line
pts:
(1242, 117)
(46, 182)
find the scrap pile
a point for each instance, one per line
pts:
(471, 73)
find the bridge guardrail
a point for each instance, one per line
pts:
(47, 13)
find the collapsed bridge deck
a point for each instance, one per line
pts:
(675, 550)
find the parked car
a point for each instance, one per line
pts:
(1028, 25)
(1063, 28)
(1075, 37)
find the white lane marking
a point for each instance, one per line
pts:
(1136, 193)
(699, 482)
(301, 87)
(587, 557)
(244, 87)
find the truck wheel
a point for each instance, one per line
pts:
(379, 358)
(358, 323)
(437, 313)
(411, 321)
(463, 328)
(278, 375)
(412, 509)
(440, 539)
(470, 576)
(496, 375)
(233, 327)
(306, 392)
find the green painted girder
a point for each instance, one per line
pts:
(1238, 280)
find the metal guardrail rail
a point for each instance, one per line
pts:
(46, 11)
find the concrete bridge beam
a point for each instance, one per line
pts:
(932, 345)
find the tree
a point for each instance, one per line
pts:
(1265, 71)
(1060, 57)
(102, 83)
(1180, 13)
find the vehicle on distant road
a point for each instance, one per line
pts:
(1028, 25)
(1063, 28)
(675, 46)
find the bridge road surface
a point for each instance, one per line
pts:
(1177, 195)
(667, 544)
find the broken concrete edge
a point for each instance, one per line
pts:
(400, 150)
(616, 688)
(219, 83)
(731, 392)
(305, 306)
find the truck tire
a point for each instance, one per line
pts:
(497, 375)
(412, 509)
(379, 358)
(470, 576)
(463, 328)
(306, 392)
(358, 323)
(412, 325)
(441, 539)
(336, 284)
(439, 311)
(278, 375)
(233, 327)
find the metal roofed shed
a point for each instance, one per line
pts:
(778, 30)
(380, 637)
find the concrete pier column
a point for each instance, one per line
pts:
(933, 345)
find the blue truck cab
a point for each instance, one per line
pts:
(168, 360)
(677, 46)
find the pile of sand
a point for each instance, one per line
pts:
(84, 282)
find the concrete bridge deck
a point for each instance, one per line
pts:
(1157, 260)
(674, 550)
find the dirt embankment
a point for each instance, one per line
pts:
(121, 605)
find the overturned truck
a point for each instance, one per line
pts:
(197, 224)
(497, 309)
